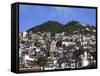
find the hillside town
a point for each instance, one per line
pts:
(41, 51)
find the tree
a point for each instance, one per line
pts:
(82, 50)
(76, 53)
(42, 61)
(59, 43)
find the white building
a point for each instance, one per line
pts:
(27, 58)
(53, 46)
(85, 61)
(24, 34)
(67, 43)
(84, 43)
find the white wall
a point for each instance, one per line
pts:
(5, 23)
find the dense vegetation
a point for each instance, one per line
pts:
(56, 27)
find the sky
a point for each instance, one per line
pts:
(33, 15)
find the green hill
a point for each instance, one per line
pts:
(70, 28)
(49, 26)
